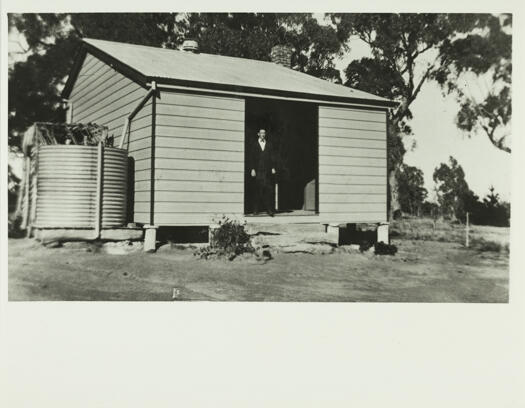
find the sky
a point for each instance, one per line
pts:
(435, 134)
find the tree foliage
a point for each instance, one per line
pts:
(493, 211)
(252, 35)
(53, 39)
(455, 198)
(407, 50)
(412, 192)
(35, 83)
(451, 188)
(483, 59)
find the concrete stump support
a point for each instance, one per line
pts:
(332, 228)
(150, 238)
(382, 233)
(333, 232)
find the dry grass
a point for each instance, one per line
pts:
(483, 245)
(421, 271)
(482, 238)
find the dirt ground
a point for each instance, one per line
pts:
(421, 271)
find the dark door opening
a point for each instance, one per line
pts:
(291, 128)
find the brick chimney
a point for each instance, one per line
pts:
(282, 55)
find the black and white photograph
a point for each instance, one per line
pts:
(297, 163)
(331, 153)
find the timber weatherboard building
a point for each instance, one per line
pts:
(188, 140)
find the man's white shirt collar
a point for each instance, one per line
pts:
(262, 143)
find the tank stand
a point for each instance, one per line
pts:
(150, 238)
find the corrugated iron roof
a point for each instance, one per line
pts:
(208, 69)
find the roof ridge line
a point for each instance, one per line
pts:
(234, 75)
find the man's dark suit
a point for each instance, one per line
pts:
(263, 161)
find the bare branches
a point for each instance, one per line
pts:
(499, 143)
(422, 51)
(478, 113)
(425, 76)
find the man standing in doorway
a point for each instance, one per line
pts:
(262, 163)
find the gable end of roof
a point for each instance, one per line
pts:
(113, 62)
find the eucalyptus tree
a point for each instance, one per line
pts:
(408, 51)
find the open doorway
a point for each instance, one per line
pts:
(291, 128)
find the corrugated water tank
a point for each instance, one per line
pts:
(81, 187)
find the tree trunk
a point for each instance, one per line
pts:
(393, 193)
(395, 151)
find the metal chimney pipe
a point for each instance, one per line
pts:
(191, 46)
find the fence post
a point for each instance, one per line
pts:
(467, 232)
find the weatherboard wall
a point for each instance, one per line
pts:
(352, 165)
(103, 96)
(199, 151)
(199, 158)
